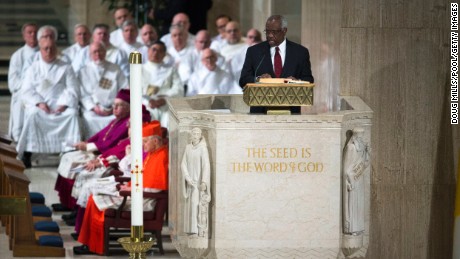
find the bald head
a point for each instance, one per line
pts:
(202, 40)
(183, 20)
(209, 59)
(253, 36)
(97, 52)
(148, 34)
(233, 33)
(120, 15)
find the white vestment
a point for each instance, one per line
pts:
(54, 84)
(204, 81)
(100, 85)
(77, 56)
(192, 62)
(235, 64)
(160, 80)
(169, 44)
(178, 56)
(113, 54)
(229, 50)
(128, 48)
(116, 37)
(16, 72)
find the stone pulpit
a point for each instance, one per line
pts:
(274, 186)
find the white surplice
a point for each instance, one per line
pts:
(180, 55)
(204, 81)
(100, 84)
(113, 54)
(160, 80)
(54, 84)
(116, 37)
(192, 62)
(77, 56)
(16, 72)
(169, 44)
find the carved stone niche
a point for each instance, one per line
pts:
(276, 181)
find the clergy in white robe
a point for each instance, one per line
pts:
(46, 32)
(210, 79)
(16, 72)
(82, 37)
(221, 22)
(130, 33)
(192, 62)
(50, 92)
(182, 20)
(234, 50)
(113, 54)
(160, 81)
(180, 49)
(100, 82)
(148, 35)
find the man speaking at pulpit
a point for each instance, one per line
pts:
(276, 57)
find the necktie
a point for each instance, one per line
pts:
(278, 63)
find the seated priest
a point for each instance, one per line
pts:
(155, 179)
(86, 185)
(160, 81)
(50, 92)
(100, 82)
(210, 78)
(99, 143)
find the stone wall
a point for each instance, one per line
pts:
(395, 56)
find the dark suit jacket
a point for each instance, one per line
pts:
(258, 61)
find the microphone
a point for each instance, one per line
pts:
(257, 68)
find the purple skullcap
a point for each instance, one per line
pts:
(123, 94)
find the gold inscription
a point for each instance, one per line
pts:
(278, 160)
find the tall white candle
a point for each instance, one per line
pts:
(135, 61)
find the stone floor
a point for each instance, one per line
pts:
(43, 176)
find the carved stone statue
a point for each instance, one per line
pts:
(196, 186)
(355, 163)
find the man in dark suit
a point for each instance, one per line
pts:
(276, 57)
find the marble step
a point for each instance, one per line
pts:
(4, 88)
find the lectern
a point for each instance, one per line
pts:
(278, 97)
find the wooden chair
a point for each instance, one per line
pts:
(153, 220)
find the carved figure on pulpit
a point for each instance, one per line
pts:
(203, 211)
(196, 173)
(355, 163)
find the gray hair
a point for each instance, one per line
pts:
(45, 28)
(80, 25)
(277, 17)
(128, 23)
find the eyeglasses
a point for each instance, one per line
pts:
(272, 31)
(116, 105)
(230, 31)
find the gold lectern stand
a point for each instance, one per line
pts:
(278, 97)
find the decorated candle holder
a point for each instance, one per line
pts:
(137, 245)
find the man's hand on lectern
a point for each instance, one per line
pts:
(265, 76)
